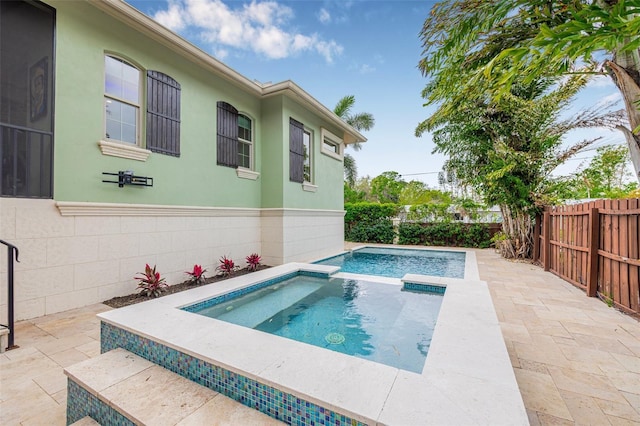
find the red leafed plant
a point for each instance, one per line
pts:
(253, 261)
(226, 266)
(150, 284)
(197, 275)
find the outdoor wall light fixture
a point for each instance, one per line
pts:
(128, 178)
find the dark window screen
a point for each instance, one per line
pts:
(26, 99)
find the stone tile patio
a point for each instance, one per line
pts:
(576, 360)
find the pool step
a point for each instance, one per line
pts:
(119, 387)
(253, 314)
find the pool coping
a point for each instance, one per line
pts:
(467, 377)
(471, 271)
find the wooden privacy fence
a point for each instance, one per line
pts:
(595, 246)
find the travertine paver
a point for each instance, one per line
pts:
(32, 382)
(576, 360)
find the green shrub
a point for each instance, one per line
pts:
(410, 233)
(445, 234)
(478, 235)
(369, 222)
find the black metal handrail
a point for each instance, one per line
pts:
(10, 250)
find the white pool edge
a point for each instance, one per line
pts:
(467, 377)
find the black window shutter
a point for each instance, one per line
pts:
(227, 142)
(163, 114)
(296, 151)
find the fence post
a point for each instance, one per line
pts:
(594, 242)
(546, 230)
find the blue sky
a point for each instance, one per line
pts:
(369, 49)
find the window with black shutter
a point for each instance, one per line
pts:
(163, 114)
(227, 140)
(296, 151)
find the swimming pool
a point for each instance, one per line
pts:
(467, 377)
(395, 262)
(374, 321)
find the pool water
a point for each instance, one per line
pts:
(375, 321)
(395, 263)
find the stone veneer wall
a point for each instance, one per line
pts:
(295, 235)
(76, 254)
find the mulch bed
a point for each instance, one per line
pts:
(131, 299)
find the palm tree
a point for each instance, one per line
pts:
(350, 170)
(359, 121)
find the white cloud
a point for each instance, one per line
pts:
(172, 18)
(324, 16)
(258, 26)
(366, 69)
(302, 42)
(268, 13)
(601, 81)
(221, 53)
(328, 49)
(273, 42)
(361, 68)
(610, 100)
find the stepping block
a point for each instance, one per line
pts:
(119, 387)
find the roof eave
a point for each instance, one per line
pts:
(291, 89)
(128, 14)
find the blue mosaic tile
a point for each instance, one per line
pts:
(424, 288)
(81, 403)
(264, 398)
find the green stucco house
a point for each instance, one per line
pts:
(123, 144)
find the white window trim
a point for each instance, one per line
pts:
(247, 174)
(312, 168)
(332, 139)
(251, 143)
(123, 150)
(306, 186)
(139, 105)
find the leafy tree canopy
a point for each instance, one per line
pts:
(387, 187)
(493, 45)
(506, 148)
(416, 192)
(606, 176)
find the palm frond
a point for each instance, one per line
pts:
(361, 121)
(350, 170)
(344, 105)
